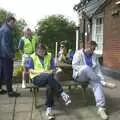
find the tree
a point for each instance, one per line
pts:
(19, 25)
(3, 15)
(18, 32)
(56, 28)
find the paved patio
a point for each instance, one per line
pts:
(22, 108)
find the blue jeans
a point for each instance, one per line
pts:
(53, 86)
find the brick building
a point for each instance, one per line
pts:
(111, 45)
(100, 21)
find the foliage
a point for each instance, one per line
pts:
(56, 28)
(3, 15)
(19, 25)
(18, 31)
(18, 71)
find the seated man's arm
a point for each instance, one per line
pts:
(77, 62)
(30, 66)
(98, 69)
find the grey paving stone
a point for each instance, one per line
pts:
(24, 100)
(22, 116)
(4, 108)
(6, 116)
(36, 115)
(4, 99)
(23, 107)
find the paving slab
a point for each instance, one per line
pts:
(22, 115)
(22, 108)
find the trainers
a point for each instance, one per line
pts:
(102, 113)
(2, 91)
(66, 98)
(50, 115)
(13, 94)
(110, 85)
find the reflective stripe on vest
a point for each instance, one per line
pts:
(38, 65)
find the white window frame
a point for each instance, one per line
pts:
(96, 34)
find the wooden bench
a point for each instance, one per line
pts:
(65, 81)
(35, 89)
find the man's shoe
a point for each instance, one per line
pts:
(50, 115)
(13, 94)
(110, 85)
(2, 91)
(66, 98)
(101, 112)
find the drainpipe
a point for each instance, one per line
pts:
(83, 36)
(77, 37)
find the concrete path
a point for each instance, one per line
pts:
(22, 108)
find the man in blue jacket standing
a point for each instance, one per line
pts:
(6, 56)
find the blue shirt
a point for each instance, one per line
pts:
(88, 59)
(7, 48)
(30, 64)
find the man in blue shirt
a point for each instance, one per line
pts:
(7, 52)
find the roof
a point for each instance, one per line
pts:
(90, 7)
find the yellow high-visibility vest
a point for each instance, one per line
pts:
(38, 65)
(29, 46)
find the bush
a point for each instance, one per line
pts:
(18, 71)
(18, 56)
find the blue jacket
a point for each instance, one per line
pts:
(6, 42)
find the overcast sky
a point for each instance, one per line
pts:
(34, 10)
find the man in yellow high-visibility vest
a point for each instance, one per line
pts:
(26, 47)
(42, 74)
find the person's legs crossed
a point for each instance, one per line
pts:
(88, 74)
(42, 80)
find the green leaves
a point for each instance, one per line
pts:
(18, 31)
(56, 28)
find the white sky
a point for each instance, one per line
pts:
(34, 10)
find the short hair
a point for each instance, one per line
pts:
(10, 18)
(42, 46)
(92, 43)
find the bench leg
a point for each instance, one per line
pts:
(35, 96)
(69, 87)
(84, 87)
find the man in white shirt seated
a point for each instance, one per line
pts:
(86, 67)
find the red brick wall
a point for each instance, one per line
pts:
(111, 43)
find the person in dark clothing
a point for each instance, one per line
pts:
(6, 56)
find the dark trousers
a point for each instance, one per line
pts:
(6, 72)
(53, 86)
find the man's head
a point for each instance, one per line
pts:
(91, 46)
(11, 21)
(41, 49)
(27, 32)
